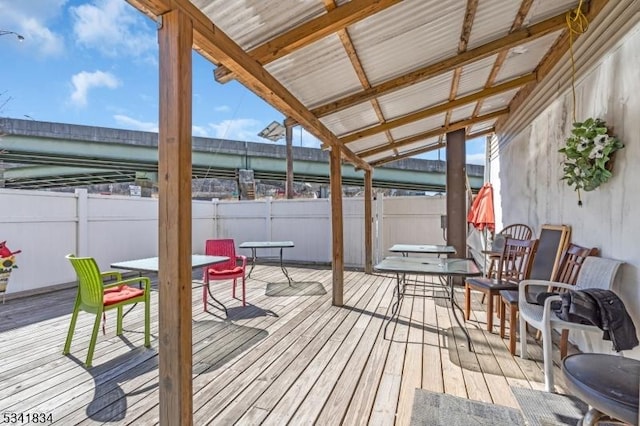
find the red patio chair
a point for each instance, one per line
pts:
(224, 271)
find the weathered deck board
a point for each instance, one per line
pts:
(284, 358)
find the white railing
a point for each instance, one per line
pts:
(48, 225)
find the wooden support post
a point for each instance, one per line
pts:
(174, 202)
(368, 222)
(337, 260)
(289, 138)
(456, 198)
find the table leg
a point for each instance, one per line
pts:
(395, 308)
(455, 305)
(253, 261)
(224, 308)
(284, 270)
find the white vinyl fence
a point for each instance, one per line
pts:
(46, 226)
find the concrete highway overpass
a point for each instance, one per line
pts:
(43, 155)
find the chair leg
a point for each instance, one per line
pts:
(244, 292)
(502, 308)
(147, 319)
(94, 336)
(119, 322)
(467, 301)
(72, 327)
(490, 312)
(547, 349)
(564, 338)
(513, 315)
(523, 338)
(233, 293)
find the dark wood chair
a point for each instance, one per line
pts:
(518, 231)
(514, 266)
(567, 272)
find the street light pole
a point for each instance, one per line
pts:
(5, 32)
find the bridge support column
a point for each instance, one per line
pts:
(146, 180)
(2, 174)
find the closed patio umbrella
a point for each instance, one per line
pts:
(481, 215)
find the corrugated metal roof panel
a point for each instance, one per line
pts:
(250, 23)
(419, 96)
(474, 76)
(419, 126)
(497, 102)
(462, 113)
(418, 145)
(543, 9)
(494, 19)
(368, 143)
(351, 119)
(382, 156)
(479, 127)
(406, 36)
(526, 57)
(324, 61)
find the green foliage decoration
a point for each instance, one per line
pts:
(588, 153)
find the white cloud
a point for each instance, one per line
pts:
(85, 81)
(29, 19)
(132, 123)
(222, 108)
(199, 131)
(244, 129)
(476, 158)
(113, 27)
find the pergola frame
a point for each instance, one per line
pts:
(182, 26)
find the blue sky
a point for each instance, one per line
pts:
(95, 62)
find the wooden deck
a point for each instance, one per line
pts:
(289, 356)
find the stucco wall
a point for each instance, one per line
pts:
(526, 174)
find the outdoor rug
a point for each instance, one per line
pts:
(296, 288)
(549, 409)
(434, 409)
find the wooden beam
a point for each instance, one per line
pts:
(429, 148)
(310, 32)
(523, 11)
(368, 222)
(434, 110)
(337, 247)
(350, 49)
(434, 132)
(467, 25)
(516, 38)
(174, 220)
(216, 46)
(555, 54)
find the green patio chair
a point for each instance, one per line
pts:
(96, 297)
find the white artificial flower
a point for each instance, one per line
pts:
(597, 152)
(582, 145)
(601, 140)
